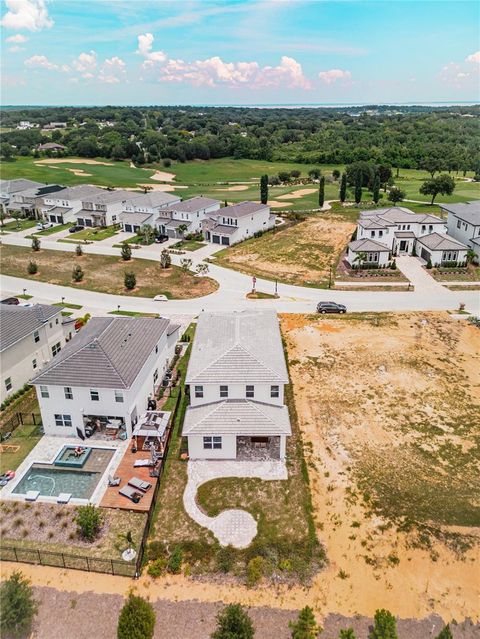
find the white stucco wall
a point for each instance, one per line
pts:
(196, 450)
(211, 393)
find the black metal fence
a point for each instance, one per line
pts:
(9, 426)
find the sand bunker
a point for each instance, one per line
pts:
(238, 187)
(295, 195)
(72, 161)
(77, 172)
(278, 205)
(163, 176)
(166, 188)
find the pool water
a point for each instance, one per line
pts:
(53, 481)
(68, 459)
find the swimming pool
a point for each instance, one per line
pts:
(50, 482)
(69, 459)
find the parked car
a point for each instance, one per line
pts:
(331, 307)
(74, 229)
(44, 225)
(10, 300)
(161, 238)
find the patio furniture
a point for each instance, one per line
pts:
(32, 495)
(140, 484)
(143, 462)
(9, 448)
(114, 481)
(130, 493)
(64, 498)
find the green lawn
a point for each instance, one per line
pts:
(54, 229)
(75, 307)
(188, 245)
(26, 437)
(19, 225)
(93, 235)
(133, 314)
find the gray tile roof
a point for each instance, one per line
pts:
(242, 209)
(194, 204)
(441, 242)
(106, 353)
(14, 186)
(237, 417)
(153, 199)
(79, 192)
(135, 218)
(404, 234)
(222, 229)
(243, 347)
(396, 215)
(16, 322)
(175, 224)
(104, 196)
(367, 245)
(468, 211)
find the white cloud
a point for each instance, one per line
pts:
(26, 14)
(331, 76)
(17, 39)
(289, 73)
(42, 62)
(85, 64)
(474, 57)
(145, 44)
(461, 75)
(16, 49)
(112, 70)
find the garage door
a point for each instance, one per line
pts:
(128, 228)
(226, 241)
(216, 239)
(425, 255)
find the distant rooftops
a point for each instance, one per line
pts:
(79, 192)
(380, 218)
(152, 199)
(194, 204)
(467, 212)
(14, 186)
(242, 209)
(16, 322)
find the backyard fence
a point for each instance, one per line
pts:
(63, 560)
(19, 419)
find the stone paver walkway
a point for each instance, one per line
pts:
(232, 527)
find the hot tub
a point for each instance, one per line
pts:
(66, 457)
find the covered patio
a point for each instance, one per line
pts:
(258, 448)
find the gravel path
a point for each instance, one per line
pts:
(67, 615)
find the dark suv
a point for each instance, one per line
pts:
(331, 307)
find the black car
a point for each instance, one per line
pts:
(331, 307)
(74, 229)
(11, 300)
(160, 239)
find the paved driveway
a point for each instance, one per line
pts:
(412, 268)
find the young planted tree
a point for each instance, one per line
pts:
(444, 184)
(306, 626)
(136, 620)
(202, 268)
(264, 189)
(396, 195)
(35, 244)
(146, 234)
(79, 250)
(335, 174)
(130, 280)
(32, 267)
(186, 264)
(321, 192)
(376, 189)
(126, 252)
(77, 273)
(17, 215)
(3, 215)
(446, 633)
(343, 188)
(89, 521)
(358, 188)
(233, 623)
(384, 626)
(182, 228)
(17, 606)
(314, 174)
(165, 259)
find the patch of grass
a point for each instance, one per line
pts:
(258, 295)
(188, 245)
(18, 225)
(105, 273)
(93, 235)
(54, 229)
(27, 437)
(133, 314)
(75, 307)
(24, 296)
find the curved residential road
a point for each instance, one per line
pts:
(233, 287)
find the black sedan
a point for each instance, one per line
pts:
(331, 307)
(160, 239)
(76, 228)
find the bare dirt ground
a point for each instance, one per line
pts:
(71, 161)
(390, 411)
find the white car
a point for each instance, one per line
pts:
(44, 225)
(160, 298)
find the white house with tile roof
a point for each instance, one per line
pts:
(463, 224)
(236, 378)
(62, 206)
(103, 207)
(105, 375)
(30, 337)
(441, 249)
(238, 222)
(144, 208)
(188, 213)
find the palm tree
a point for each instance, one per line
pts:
(182, 228)
(361, 257)
(147, 233)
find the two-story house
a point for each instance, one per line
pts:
(30, 201)
(30, 337)
(102, 208)
(60, 207)
(236, 378)
(8, 188)
(237, 222)
(105, 375)
(186, 217)
(463, 224)
(144, 208)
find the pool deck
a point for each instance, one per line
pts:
(125, 470)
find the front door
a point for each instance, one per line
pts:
(403, 246)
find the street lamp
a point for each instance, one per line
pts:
(330, 275)
(118, 308)
(63, 299)
(276, 288)
(24, 292)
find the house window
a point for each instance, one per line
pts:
(94, 396)
(372, 233)
(50, 324)
(34, 364)
(212, 443)
(250, 391)
(223, 391)
(36, 336)
(430, 228)
(380, 233)
(44, 391)
(198, 391)
(56, 348)
(119, 396)
(424, 228)
(68, 392)
(63, 420)
(8, 383)
(274, 391)
(56, 321)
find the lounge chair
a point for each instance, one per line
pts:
(64, 498)
(140, 484)
(143, 462)
(32, 495)
(114, 481)
(130, 493)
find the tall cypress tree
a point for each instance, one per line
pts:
(343, 188)
(376, 189)
(358, 188)
(264, 189)
(321, 192)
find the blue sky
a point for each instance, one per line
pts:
(239, 51)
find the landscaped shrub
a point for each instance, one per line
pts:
(78, 250)
(429, 264)
(384, 626)
(35, 244)
(137, 619)
(89, 521)
(156, 550)
(175, 561)
(233, 623)
(157, 567)
(130, 280)
(32, 267)
(77, 273)
(14, 396)
(306, 626)
(165, 259)
(225, 559)
(446, 633)
(17, 606)
(126, 252)
(255, 570)
(167, 162)
(393, 265)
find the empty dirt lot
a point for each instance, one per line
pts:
(389, 406)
